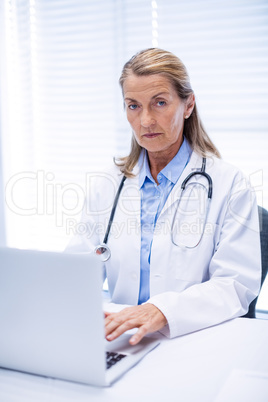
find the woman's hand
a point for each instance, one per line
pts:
(146, 317)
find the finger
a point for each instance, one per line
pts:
(114, 320)
(111, 325)
(142, 331)
(112, 315)
(120, 329)
(107, 314)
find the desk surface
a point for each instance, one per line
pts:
(193, 367)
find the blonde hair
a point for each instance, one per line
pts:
(158, 61)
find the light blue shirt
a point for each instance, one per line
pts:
(153, 198)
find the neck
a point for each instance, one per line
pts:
(159, 160)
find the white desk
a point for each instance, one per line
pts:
(194, 367)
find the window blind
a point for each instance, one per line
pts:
(64, 108)
(2, 207)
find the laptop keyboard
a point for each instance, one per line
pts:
(112, 358)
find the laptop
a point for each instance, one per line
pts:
(52, 321)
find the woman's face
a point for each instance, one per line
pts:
(156, 113)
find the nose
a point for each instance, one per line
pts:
(147, 119)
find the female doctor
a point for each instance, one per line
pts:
(183, 247)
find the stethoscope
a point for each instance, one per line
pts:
(197, 172)
(103, 249)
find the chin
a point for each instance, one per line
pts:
(153, 145)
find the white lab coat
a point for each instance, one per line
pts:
(194, 288)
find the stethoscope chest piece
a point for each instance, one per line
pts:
(103, 251)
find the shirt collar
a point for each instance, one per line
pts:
(174, 168)
(144, 168)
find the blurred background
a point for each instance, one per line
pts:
(61, 109)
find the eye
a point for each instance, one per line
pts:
(132, 107)
(161, 103)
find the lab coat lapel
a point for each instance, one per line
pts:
(130, 199)
(195, 163)
(127, 269)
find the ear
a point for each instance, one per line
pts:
(189, 105)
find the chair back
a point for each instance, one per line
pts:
(263, 219)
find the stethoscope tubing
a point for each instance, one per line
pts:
(111, 218)
(201, 173)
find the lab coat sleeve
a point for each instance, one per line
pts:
(234, 272)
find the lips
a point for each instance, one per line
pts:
(151, 135)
